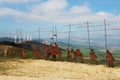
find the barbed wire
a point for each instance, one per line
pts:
(87, 26)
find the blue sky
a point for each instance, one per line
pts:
(29, 15)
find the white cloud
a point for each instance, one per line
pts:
(10, 12)
(102, 13)
(50, 6)
(19, 15)
(58, 11)
(16, 1)
(80, 10)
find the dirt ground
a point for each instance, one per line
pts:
(20, 69)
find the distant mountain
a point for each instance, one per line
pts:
(94, 43)
(42, 41)
(6, 39)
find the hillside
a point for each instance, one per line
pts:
(30, 68)
(6, 39)
(19, 69)
(30, 46)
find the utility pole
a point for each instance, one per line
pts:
(10, 36)
(105, 34)
(28, 37)
(39, 33)
(69, 36)
(24, 37)
(88, 35)
(56, 33)
(105, 38)
(52, 38)
(89, 44)
(53, 34)
(17, 36)
(20, 36)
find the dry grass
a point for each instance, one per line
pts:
(19, 69)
